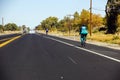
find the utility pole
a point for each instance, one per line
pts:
(69, 23)
(3, 23)
(90, 17)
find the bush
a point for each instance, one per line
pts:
(11, 27)
(103, 29)
(115, 37)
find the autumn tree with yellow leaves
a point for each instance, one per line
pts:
(74, 23)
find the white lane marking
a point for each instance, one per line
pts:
(72, 60)
(102, 55)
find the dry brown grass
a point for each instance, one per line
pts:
(99, 36)
(108, 38)
(10, 32)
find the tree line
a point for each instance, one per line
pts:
(71, 22)
(74, 22)
(12, 27)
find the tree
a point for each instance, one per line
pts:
(11, 27)
(112, 12)
(39, 27)
(67, 23)
(23, 27)
(85, 17)
(97, 20)
(76, 15)
(1, 28)
(118, 24)
(61, 26)
(76, 21)
(51, 23)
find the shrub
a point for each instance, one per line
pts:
(115, 37)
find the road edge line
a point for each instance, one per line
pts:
(93, 52)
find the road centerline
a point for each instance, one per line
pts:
(9, 41)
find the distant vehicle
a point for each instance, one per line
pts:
(25, 31)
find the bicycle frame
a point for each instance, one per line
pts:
(83, 41)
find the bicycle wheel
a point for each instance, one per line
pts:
(83, 42)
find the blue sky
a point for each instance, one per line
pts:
(32, 12)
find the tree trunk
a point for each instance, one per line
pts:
(112, 23)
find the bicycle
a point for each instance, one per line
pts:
(46, 32)
(83, 41)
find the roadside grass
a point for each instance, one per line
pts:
(59, 33)
(107, 38)
(9, 32)
(98, 36)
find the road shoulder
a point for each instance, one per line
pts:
(108, 45)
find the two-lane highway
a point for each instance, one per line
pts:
(41, 57)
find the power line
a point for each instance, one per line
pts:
(98, 9)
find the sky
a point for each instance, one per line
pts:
(32, 12)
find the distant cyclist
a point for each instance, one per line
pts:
(83, 34)
(46, 31)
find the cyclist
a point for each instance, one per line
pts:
(46, 31)
(83, 34)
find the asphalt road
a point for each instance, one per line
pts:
(41, 57)
(8, 36)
